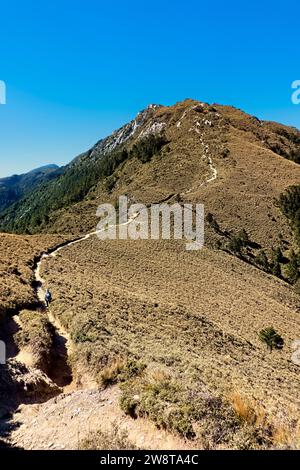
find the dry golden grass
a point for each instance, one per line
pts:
(282, 431)
(250, 176)
(36, 334)
(286, 436)
(192, 317)
(114, 439)
(16, 267)
(248, 410)
(195, 315)
(110, 373)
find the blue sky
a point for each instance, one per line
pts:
(76, 70)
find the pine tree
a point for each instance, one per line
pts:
(276, 269)
(244, 237)
(212, 222)
(262, 260)
(292, 270)
(235, 245)
(277, 255)
(271, 338)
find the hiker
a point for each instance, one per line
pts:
(48, 297)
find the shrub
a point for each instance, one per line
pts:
(235, 245)
(271, 338)
(292, 269)
(171, 405)
(109, 375)
(80, 337)
(243, 237)
(147, 147)
(276, 269)
(289, 203)
(297, 286)
(109, 183)
(120, 370)
(262, 260)
(129, 404)
(277, 255)
(225, 152)
(247, 410)
(131, 369)
(251, 438)
(212, 222)
(114, 439)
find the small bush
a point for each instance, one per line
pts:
(159, 397)
(235, 245)
(114, 439)
(131, 369)
(80, 337)
(37, 333)
(109, 375)
(120, 370)
(129, 404)
(212, 222)
(271, 338)
(147, 147)
(109, 183)
(244, 237)
(292, 269)
(247, 410)
(261, 260)
(251, 438)
(225, 152)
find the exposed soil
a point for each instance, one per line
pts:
(62, 422)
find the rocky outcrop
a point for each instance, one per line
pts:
(19, 384)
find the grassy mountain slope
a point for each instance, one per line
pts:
(241, 148)
(33, 213)
(187, 324)
(179, 330)
(250, 176)
(18, 254)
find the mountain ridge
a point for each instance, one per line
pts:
(15, 187)
(81, 180)
(176, 332)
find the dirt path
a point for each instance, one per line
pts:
(62, 375)
(61, 422)
(205, 155)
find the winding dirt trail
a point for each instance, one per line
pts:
(62, 375)
(205, 155)
(81, 408)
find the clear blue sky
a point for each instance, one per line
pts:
(76, 70)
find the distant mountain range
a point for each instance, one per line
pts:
(15, 187)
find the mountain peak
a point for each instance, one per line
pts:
(205, 144)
